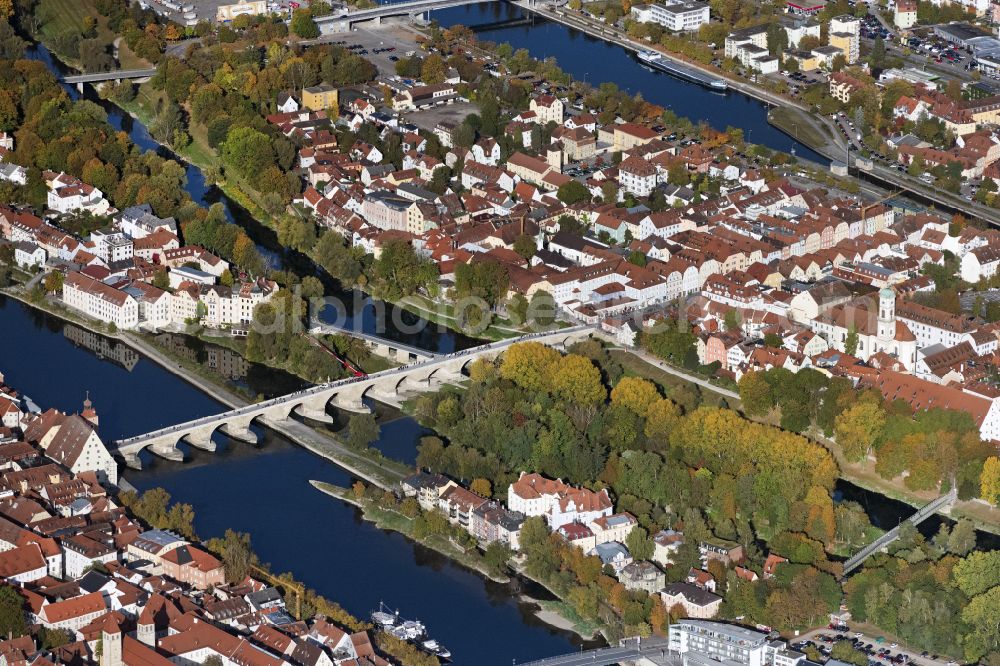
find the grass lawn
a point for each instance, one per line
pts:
(67, 16)
(444, 313)
(791, 121)
(586, 628)
(636, 367)
(199, 152)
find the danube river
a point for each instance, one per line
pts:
(596, 61)
(265, 491)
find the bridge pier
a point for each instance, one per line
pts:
(201, 439)
(168, 452)
(350, 404)
(313, 414)
(132, 460)
(239, 431)
(315, 410)
(79, 87)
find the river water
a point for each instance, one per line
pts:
(264, 490)
(596, 61)
(359, 312)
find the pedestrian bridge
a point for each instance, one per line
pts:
(348, 394)
(920, 516)
(652, 650)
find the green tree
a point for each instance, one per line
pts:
(303, 25)
(572, 191)
(362, 430)
(639, 545)
(846, 652)
(977, 572)
(497, 555)
(542, 310)
(524, 245)
(982, 616)
(851, 343)
(12, 622)
(236, 554)
(962, 538)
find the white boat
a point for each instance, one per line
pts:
(648, 56)
(408, 630)
(436, 649)
(383, 618)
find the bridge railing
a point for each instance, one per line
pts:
(922, 514)
(322, 388)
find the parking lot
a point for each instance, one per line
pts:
(880, 651)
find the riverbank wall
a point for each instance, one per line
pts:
(548, 610)
(385, 474)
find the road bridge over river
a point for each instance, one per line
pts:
(387, 386)
(114, 75)
(343, 22)
(630, 650)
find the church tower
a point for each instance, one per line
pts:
(89, 413)
(886, 314)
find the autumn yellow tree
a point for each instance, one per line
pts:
(481, 370)
(530, 365)
(821, 523)
(857, 429)
(661, 417)
(482, 487)
(755, 393)
(659, 619)
(433, 70)
(577, 380)
(990, 480)
(636, 394)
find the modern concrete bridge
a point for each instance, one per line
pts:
(630, 650)
(348, 394)
(344, 22)
(920, 516)
(113, 75)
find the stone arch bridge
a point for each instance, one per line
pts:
(386, 386)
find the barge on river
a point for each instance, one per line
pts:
(657, 61)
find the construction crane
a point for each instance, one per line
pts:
(870, 204)
(274, 580)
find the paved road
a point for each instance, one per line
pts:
(607, 656)
(652, 360)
